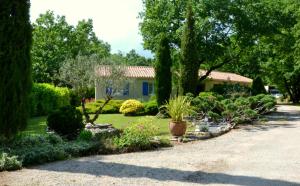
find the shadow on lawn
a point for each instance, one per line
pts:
(117, 170)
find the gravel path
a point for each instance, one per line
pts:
(267, 154)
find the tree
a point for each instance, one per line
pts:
(258, 86)
(225, 30)
(15, 81)
(84, 72)
(163, 75)
(189, 56)
(54, 41)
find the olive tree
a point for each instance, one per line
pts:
(84, 72)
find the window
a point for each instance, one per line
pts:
(148, 88)
(126, 90)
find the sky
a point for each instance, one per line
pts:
(115, 21)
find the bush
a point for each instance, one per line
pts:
(112, 107)
(137, 136)
(206, 102)
(32, 150)
(45, 98)
(151, 108)
(67, 122)
(131, 107)
(8, 163)
(85, 135)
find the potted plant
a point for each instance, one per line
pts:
(177, 108)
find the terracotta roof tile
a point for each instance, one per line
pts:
(148, 72)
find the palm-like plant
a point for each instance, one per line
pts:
(178, 107)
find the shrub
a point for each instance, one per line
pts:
(66, 121)
(8, 163)
(85, 135)
(206, 102)
(45, 98)
(131, 107)
(151, 108)
(32, 150)
(112, 107)
(178, 107)
(137, 136)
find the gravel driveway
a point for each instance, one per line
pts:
(267, 154)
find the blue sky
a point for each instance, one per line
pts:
(115, 21)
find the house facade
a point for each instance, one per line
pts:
(140, 83)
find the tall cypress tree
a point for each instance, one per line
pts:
(189, 55)
(15, 65)
(163, 76)
(258, 86)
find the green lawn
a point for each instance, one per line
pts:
(37, 125)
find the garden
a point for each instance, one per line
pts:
(123, 125)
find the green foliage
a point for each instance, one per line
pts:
(79, 73)
(54, 41)
(131, 107)
(45, 98)
(112, 107)
(206, 102)
(150, 108)
(137, 136)
(231, 90)
(9, 163)
(258, 87)
(189, 63)
(163, 75)
(132, 58)
(178, 107)
(37, 149)
(66, 121)
(15, 66)
(85, 135)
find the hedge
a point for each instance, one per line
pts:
(45, 98)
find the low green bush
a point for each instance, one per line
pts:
(8, 163)
(45, 98)
(37, 149)
(66, 121)
(112, 107)
(131, 107)
(137, 136)
(235, 109)
(85, 135)
(150, 108)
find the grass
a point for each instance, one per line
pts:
(37, 125)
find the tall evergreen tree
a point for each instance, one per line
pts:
(189, 55)
(163, 76)
(15, 65)
(258, 86)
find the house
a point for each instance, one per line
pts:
(140, 84)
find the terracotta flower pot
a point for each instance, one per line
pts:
(177, 128)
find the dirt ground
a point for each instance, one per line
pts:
(266, 154)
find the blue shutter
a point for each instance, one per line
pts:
(145, 88)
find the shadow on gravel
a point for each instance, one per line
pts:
(117, 170)
(275, 120)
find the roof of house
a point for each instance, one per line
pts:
(148, 72)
